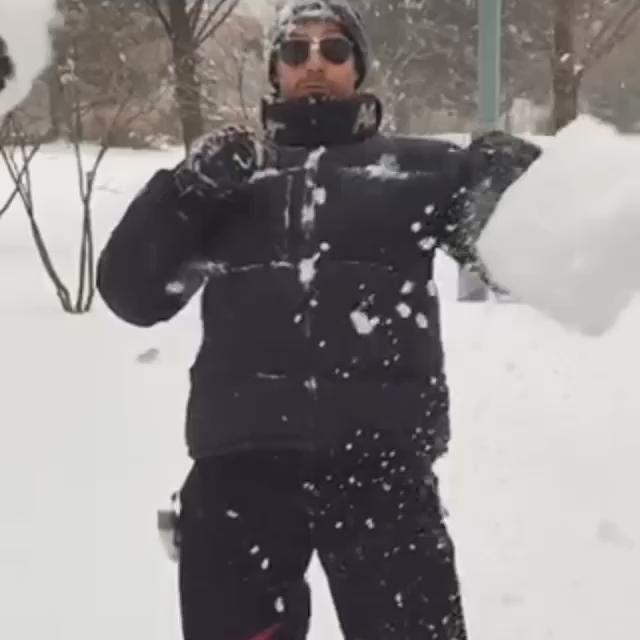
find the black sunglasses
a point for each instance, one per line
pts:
(334, 49)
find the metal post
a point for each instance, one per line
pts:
(470, 287)
(489, 62)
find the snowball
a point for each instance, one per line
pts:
(564, 237)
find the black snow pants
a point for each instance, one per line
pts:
(251, 521)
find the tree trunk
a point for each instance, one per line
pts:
(402, 115)
(566, 74)
(56, 104)
(188, 94)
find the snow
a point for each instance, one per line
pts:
(24, 26)
(404, 310)
(541, 481)
(362, 323)
(289, 12)
(565, 236)
(307, 270)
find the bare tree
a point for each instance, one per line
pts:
(17, 153)
(18, 150)
(608, 24)
(233, 73)
(188, 24)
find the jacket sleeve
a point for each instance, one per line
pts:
(480, 174)
(148, 271)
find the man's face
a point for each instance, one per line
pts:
(327, 70)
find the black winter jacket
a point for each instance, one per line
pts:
(320, 314)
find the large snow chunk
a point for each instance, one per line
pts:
(565, 237)
(24, 27)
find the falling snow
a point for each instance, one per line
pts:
(307, 270)
(175, 288)
(408, 288)
(427, 244)
(404, 310)
(380, 172)
(319, 195)
(308, 217)
(422, 321)
(362, 323)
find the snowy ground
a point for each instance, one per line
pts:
(541, 481)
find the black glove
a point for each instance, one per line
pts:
(220, 162)
(6, 65)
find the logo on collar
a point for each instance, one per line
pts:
(273, 126)
(367, 118)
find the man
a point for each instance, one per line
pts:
(318, 401)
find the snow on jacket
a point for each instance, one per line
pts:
(320, 313)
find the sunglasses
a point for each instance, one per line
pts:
(294, 52)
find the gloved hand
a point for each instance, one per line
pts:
(221, 162)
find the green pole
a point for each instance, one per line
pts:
(489, 63)
(470, 287)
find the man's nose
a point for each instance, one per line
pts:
(315, 61)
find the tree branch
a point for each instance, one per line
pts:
(195, 13)
(19, 178)
(27, 199)
(154, 6)
(209, 27)
(613, 32)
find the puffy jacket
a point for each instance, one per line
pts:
(320, 314)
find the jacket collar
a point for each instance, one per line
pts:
(314, 122)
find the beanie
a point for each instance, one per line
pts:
(338, 11)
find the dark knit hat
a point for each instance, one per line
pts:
(338, 11)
